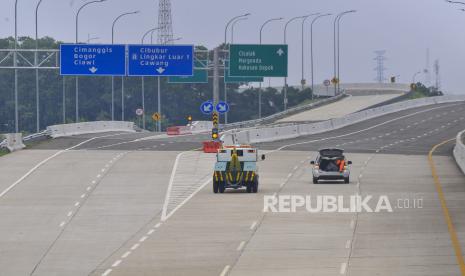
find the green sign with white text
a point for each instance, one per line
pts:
(255, 60)
(229, 79)
(200, 74)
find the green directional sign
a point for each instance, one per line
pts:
(200, 74)
(255, 60)
(229, 79)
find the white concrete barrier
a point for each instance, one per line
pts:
(276, 133)
(89, 127)
(459, 151)
(200, 126)
(14, 141)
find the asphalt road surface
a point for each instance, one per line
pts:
(96, 209)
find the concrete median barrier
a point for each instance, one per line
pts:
(276, 133)
(459, 151)
(14, 142)
(56, 131)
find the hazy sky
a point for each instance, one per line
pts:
(404, 28)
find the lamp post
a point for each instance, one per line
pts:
(225, 43)
(260, 84)
(337, 48)
(77, 41)
(143, 79)
(15, 63)
(285, 41)
(159, 85)
(311, 49)
(113, 78)
(36, 62)
(233, 25)
(303, 47)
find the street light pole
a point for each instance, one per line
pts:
(233, 25)
(77, 41)
(285, 41)
(143, 80)
(15, 62)
(36, 62)
(122, 78)
(337, 49)
(311, 49)
(260, 84)
(303, 47)
(225, 43)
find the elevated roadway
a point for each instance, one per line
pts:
(96, 205)
(361, 96)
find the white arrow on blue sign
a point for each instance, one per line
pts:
(161, 60)
(222, 107)
(207, 108)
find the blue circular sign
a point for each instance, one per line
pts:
(207, 108)
(222, 107)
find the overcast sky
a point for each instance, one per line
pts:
(404, 28)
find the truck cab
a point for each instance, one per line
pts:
(235, 168)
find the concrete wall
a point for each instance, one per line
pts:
(89, 127)
(459, 151)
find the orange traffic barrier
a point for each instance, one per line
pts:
(211, 146)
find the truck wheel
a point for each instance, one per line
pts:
(215, 187)
(255, 186)
(346, 180)
(315, 180)
(221, 187)
(249, 187)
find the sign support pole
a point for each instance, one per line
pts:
(122, 98)
(159, 104)
(216, 78)
(143, 102)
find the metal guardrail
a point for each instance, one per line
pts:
(279, 115)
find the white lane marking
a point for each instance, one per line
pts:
(125, 255)
(296, 167)
(361, 175)
(62, 224)
(69, 214)
(343, 268)
(348, 244)
(150, 232)
(289, 175)
(352, 224)
(165, 215)
(77, 204)
(21, 179)
(107, 272)
(143, 239)
(254, 224)
(94, 182)
(115, 264)
(135, 246)
(241, 246)
(88, 188)
(102, 170)
(225, 270)
(83, 195)
(99, 175)
(362, 130)
(157, 225)
(162, 145)
(282, 184)
(274, 195)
